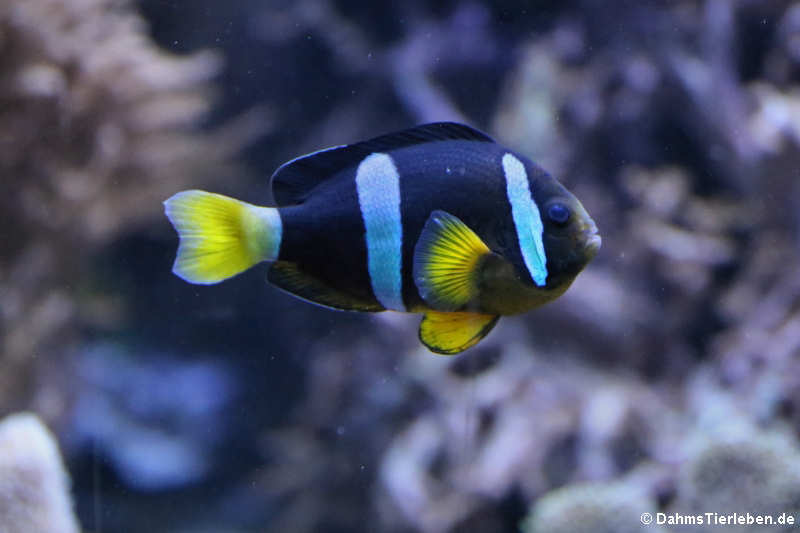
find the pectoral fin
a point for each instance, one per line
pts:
(452, 333)
(447, 261)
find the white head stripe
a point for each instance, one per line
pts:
(527, 219)
(378, 186)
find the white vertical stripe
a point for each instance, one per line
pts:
(378, 186)
(527, 219)
(271, 229)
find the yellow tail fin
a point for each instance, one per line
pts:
(220, 236)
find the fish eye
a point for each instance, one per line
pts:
(558, 213)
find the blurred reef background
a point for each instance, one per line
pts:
(667, 379)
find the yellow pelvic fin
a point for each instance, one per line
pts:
(289, 277)
(452, 333)
(447, 260)
(220, 236)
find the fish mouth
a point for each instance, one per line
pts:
(592, 239)
(593, 243)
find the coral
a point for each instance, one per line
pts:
(34, 488)
(681, 143)
(591, 508)
(97, 126)
(675, 123)
(738, 468)
(700, 265)
(165, 404)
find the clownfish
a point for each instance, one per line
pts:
(438, 219)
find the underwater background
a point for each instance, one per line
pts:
(666, 380)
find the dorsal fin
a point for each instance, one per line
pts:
(295, 179)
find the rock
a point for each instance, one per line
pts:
(34, 486)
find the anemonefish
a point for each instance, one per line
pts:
(438, 219)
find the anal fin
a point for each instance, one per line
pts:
(289, 277)
(452, 333)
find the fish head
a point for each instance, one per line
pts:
(529, 270)
(570, 236)
(554, 237)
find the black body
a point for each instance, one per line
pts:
(324, 235)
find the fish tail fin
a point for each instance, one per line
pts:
(220, 236)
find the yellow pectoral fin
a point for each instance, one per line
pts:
(452, 333)
(447, 260)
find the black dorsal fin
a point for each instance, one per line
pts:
(295, 179)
